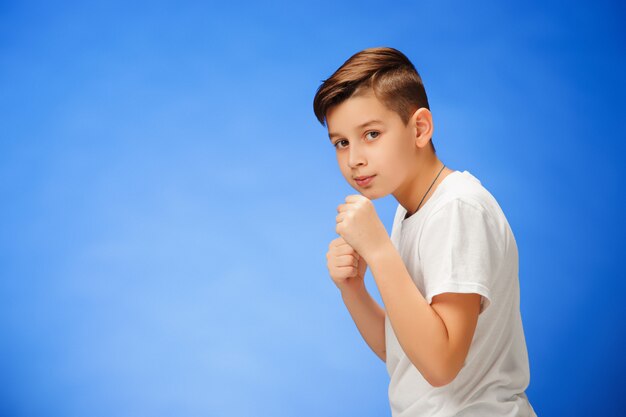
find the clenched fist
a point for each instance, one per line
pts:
(346, 267)
(360, 227)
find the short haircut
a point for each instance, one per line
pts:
(386, 71)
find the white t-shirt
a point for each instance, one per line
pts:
(460, 241)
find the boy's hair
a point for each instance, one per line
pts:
(386, 71)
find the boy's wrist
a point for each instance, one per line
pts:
(351, 288)
(382, 252)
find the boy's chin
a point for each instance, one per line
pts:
(371, 194)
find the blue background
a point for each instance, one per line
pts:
(167, 198)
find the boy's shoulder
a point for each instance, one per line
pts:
(465, 188)
(462, 190)
(459, 194)
(468, 207)
(465, 196)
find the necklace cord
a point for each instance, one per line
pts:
(431, 186)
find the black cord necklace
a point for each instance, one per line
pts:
(431, 186)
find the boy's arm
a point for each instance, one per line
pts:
(437, 337)
(368, 316)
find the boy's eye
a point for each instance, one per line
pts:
(370, 135)
(373, 134)
(338, 142)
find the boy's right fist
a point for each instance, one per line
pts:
(346, 267)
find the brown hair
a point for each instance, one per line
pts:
(386, 71)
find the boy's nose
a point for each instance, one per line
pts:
(356, 157)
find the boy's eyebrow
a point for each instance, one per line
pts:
(361, 126)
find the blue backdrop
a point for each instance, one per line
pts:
(167, 198)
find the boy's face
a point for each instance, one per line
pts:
(371, 140)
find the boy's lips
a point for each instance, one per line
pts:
(364, 180)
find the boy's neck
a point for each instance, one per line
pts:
(410, 195)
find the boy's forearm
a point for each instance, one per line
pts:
(368, 316)
(422, 334)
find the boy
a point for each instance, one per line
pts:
(451, 332)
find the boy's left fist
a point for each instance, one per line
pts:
(360, 226)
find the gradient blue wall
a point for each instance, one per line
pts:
(167, 198)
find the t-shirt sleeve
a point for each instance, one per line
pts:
(460, 251)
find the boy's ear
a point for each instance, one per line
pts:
(422, 123)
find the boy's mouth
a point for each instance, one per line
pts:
(365, 180)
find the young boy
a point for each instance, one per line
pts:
(451, 332)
